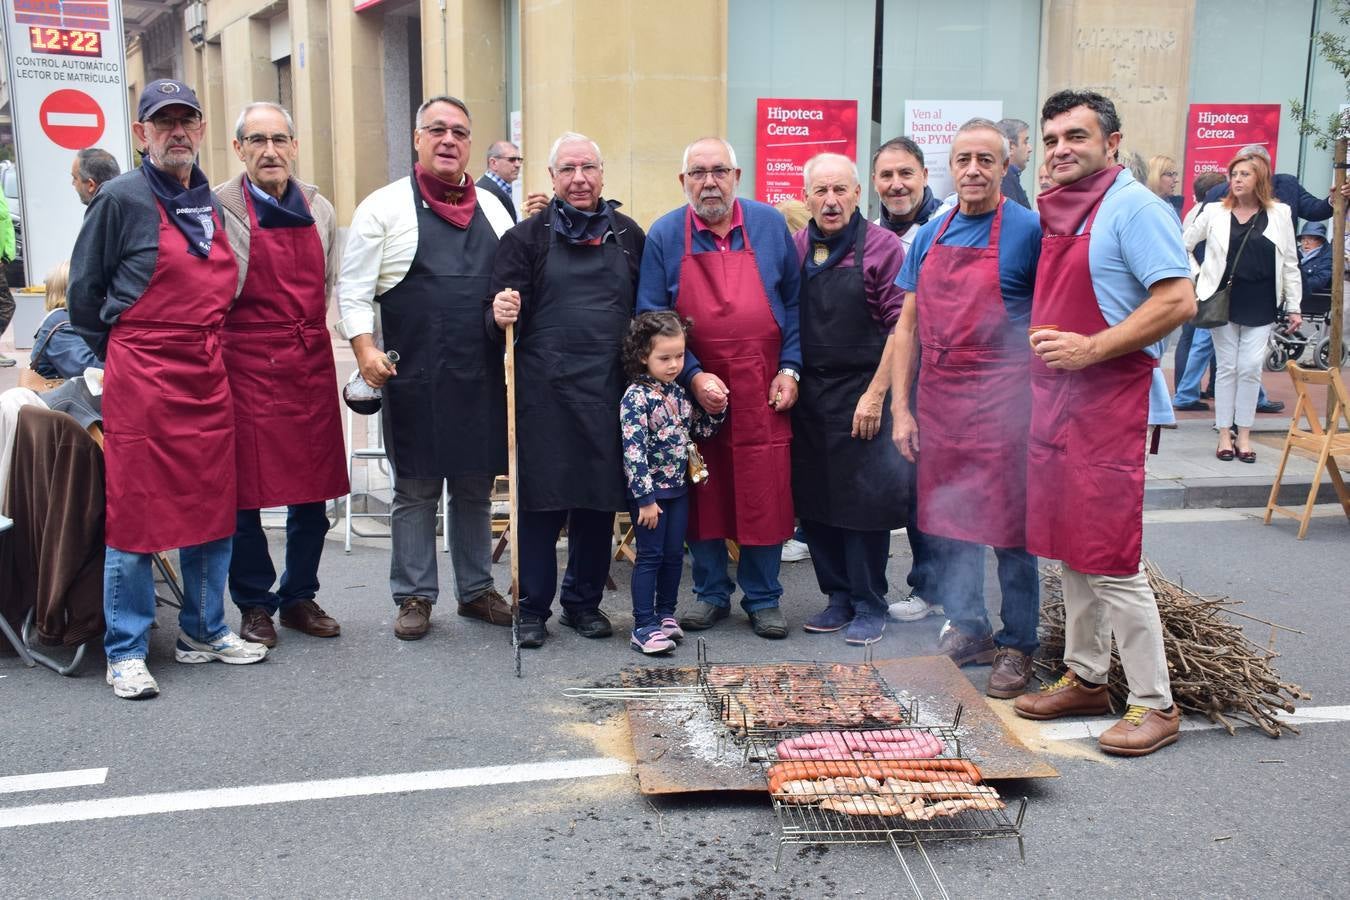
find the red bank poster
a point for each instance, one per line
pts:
(1215, 132)
(789, 132)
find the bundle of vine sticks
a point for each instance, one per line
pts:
(1217, 671)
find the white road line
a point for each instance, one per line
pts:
(46, 781)
(1083, 729)
(297, 791)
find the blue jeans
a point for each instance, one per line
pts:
(660, 561)
(251, 571)
(129, 597)
(757, 572)
(960, 580)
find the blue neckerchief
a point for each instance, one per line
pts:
(290, 211)
(578, 226)
(837, 244)
(189, 208)
(926, 206)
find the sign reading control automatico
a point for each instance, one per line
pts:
(790, 132)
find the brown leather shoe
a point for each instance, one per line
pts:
(965, 649)
(489, 606)
(1012, 672)
(1141, 731)
(255, 626)
(414, 619)
(309, 617)
(1066, 697)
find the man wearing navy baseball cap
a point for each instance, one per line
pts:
(151, 279)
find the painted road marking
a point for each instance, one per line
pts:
(297, 791)
(1084, 729)
(46, 781)
(80, 120)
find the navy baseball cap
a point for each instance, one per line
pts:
(164, 92)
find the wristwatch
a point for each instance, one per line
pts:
(791, 373)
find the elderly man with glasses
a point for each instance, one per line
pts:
(414, 279)
(729, 264)
(151, 279)
(288, 429)
(567, 280)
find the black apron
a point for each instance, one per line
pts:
(445, 411)
(569, 366)
(838, 479)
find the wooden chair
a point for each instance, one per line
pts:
(1324, 444)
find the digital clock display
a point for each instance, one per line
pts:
(65, 41)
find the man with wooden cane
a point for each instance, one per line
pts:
(566, 281)
(1113, 279)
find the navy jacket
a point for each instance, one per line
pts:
(1289, 192)
(1316, 271)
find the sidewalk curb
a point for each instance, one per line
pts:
(1229, 493)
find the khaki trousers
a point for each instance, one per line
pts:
(1097, 606)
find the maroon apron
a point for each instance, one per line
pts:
(167, 417)
(288, 429)
(1085, 459)
(974, 399)
(748, 496)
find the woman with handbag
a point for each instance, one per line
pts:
(1249, 273)
(58, 352)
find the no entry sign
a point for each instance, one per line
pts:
(72, 119)
(67, 91)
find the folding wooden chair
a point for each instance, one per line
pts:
(1324, 444)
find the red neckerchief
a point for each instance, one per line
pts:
(454, 204)
(1065, 208)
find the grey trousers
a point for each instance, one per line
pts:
(1097, 606)
(412, 565)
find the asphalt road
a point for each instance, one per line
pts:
(1212, 816)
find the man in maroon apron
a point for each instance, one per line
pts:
(421, 251)
(970, 275)
(288, 428)
(850, 485)
(729, 265)
(567, 279)
(151, 279)
(1112, 282)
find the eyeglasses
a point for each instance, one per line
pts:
(511, 159)
(590, 170)
(259, 141)
(720, 173)
(169, 123)
(436, 132)
(1169, 174)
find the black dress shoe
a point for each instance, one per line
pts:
(1193, 406)
(532, 631)
(1270, 406)
(589, 623)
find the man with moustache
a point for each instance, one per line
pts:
(729, 264)
(567, 279)
(288, 428)
(414, 278)
(969, 280)
(151, 278)
(1113, 281)
(850, 485)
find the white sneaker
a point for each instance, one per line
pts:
(228, 648)
(795, 551)
(131, 680)
(913, 608)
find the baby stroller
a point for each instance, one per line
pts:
(1286, 344)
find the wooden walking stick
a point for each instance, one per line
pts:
(513, 482)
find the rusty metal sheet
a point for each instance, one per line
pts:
(677, 749)
(938, 686)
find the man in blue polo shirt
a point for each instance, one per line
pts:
(730, 265)
(969, 281)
